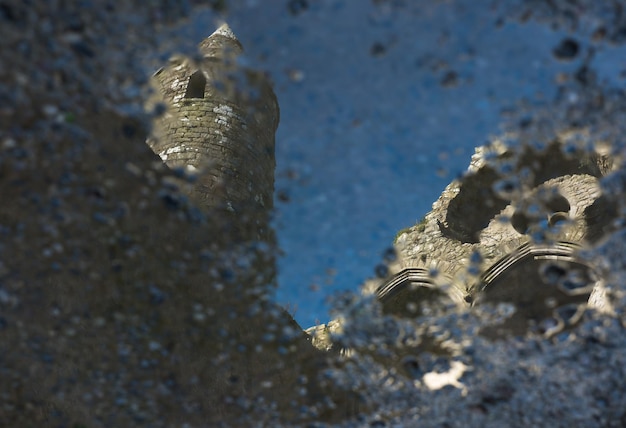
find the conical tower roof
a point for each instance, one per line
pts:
(221, 44)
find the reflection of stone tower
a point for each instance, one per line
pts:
(219, 125)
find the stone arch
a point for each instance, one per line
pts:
(405, 293)
(600, 217)
(540, 281)
(196, 85)
(477, 203)
(556, 206)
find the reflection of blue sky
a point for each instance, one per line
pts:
(372, 140)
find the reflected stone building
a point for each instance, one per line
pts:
(509, 231)
(122, 304)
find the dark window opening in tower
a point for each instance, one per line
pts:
(196, 85)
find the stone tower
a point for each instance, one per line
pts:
(218, 129)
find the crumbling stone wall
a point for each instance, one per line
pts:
(509, 231)
(512, 202)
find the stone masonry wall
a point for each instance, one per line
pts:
(450, 259)
(457, 258)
